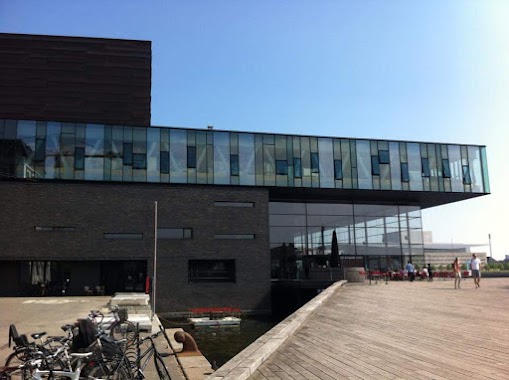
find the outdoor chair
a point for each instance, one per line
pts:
(88, 291)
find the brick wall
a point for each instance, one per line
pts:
(98, 208)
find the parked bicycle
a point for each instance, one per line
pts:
(145, 354)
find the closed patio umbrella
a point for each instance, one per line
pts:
(334, 260)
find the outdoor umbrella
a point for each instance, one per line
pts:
(334, 259)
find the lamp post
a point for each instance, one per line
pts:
(154, 277)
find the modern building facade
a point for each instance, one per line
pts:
(235, 209)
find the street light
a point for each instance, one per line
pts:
(154, 277)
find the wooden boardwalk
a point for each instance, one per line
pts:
(402, 330)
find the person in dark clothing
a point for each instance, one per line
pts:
(430, 273)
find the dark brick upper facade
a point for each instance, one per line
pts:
(74, 79)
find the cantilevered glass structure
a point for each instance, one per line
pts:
(93, 152)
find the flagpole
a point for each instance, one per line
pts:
(154, 277)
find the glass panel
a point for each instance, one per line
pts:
(467, 180)
(246, 159)
(139, 161)
(281, 167)
(474, 162)
(338, 169)
(287, 208)
(405, 176)
(456, 169)
(94, 140)
(425, 167)
(233, 204)
(446, 169)
(375, 165)
(297, 167)
(484, 162)
(364, 164)
(191, 157)
(79, 158)
(94, 168)
(165, 162)
(174, 233)
(128, 153)
(153, 154)
(178, 156)
(287, 220)
(384, 157)
(395, 166)
(52, 150)
(234, 236)
(326, 158)
(234, 165)
(221, 158)
(269, 165)
(315, 163)
(414, 166)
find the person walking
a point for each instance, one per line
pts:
(430, 272)
(456, 268)
(411, 271)
(475, 266)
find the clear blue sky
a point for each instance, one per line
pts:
(432, 70)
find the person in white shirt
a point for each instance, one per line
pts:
(475, 266)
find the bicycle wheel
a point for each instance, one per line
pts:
(104, 371)
(123, 330)
(15, 359)
(161, 369)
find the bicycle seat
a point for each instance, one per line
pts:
(81, 355)
(67, 327)
(38, 335)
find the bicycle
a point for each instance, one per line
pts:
(117, 325)
(25, 350)
(145, 356)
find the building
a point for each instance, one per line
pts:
(236, 211)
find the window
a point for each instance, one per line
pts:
(234, 236)
(466, 175)
(175, 233)
(54, 228)
(79, 158)
(233, 204)
(234, 165)
(40, 149)
(384, 157)
(281, 167)
(375, 165)
(315, 163)
(446, 169)
(165, 162)
(338, 169)
(126, 236)
(405, 176)
(297, 168)
(128, 153)
(191, 157)
(211, 270)
(425, 167)
(139, 161)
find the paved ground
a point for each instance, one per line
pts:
(403, 330)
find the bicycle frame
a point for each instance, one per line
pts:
(38, 374)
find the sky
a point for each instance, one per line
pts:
(421, 70)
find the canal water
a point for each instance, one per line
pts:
(221, 343)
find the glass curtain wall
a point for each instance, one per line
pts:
(94, 152)
(378, 237)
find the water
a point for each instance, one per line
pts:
(221, 343)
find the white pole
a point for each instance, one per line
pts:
(489, 238)
(154, 279)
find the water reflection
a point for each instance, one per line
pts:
(221, 343)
